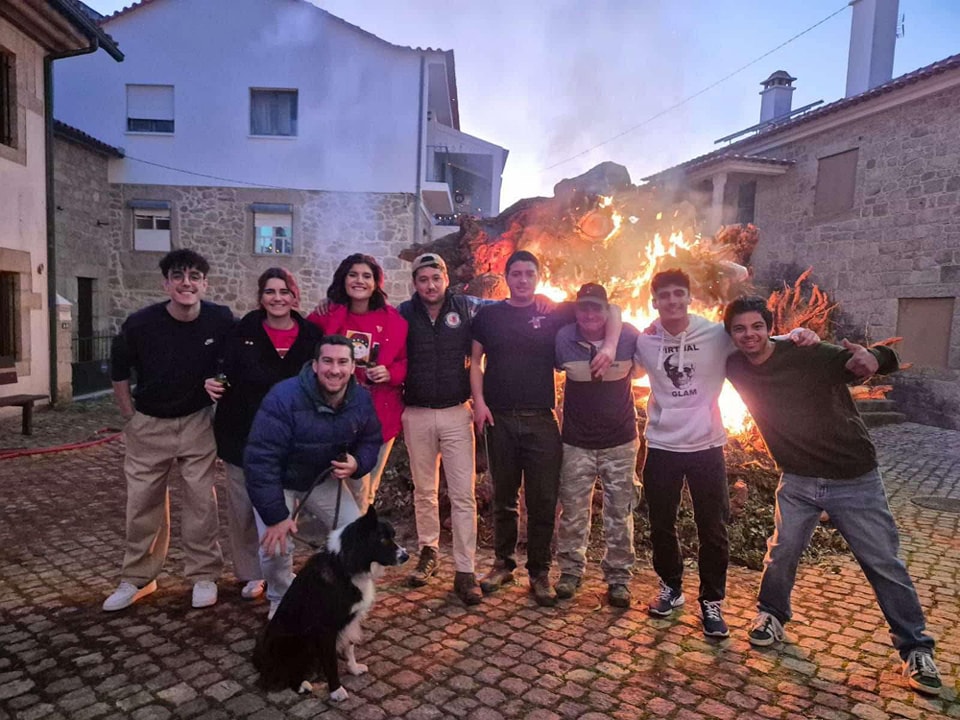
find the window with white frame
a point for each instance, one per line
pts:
(150, 108)
(8, 98)
(273, 112)
(273, 229)
(151, 228)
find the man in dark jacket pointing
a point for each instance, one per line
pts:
(318, 420)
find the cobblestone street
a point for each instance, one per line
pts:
(61, 526)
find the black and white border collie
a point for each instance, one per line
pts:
(321, 612)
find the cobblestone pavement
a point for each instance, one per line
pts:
(61, 524)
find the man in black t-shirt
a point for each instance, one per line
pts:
(515, 397)
(172, 346)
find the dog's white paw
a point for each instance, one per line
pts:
(305, 687)
(340, 694)
(357, 668)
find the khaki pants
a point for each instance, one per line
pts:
(242, 527)
(448, 433)
(370, 483)
(154, 446)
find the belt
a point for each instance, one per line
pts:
(437, 406)
(523, 413)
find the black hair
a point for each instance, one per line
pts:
(521, 256)
(332, 340)
(183, 259)
(665, 278)
(747, 304)
(337, 292)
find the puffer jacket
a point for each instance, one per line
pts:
(253, 367)
(296, 435)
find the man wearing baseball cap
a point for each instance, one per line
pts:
(599, 440)
(437, 420)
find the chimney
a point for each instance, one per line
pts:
(873, 35)
(776, 98)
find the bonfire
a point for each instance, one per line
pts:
(621, 239)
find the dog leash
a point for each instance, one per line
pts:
(317, 481)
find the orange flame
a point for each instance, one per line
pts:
(631, 293)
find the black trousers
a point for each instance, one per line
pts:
(525, 447)
(706, 475)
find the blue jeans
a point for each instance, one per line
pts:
(858, 509)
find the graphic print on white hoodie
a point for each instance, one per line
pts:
(686, 374)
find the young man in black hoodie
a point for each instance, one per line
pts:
(800, 401)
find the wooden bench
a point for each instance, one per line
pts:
(25, 402)
(8, 376)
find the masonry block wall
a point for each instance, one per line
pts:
(899, 240)
(88, 215)
(218, 223)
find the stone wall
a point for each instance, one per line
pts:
(218, 223)
(88, 219)
(901, 238)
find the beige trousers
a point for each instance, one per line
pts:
(448, 433)
(153, 447)
(366, 487)
(242, 527)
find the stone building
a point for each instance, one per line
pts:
(866, 191)
(267, 132)
(34, 34)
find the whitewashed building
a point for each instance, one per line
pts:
(265, 132)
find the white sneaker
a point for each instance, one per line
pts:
(126, 595)
(252, 590)
(204, 593)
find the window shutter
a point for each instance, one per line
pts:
(150, 102)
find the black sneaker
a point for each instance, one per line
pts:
(666, 601)
(766, 630)
(426, 568)
(713, 623)
(567, 586)
(922, 673)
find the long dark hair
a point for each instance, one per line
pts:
(337, 292)
(279, 273)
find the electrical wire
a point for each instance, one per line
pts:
(698, 93)
(205, 175)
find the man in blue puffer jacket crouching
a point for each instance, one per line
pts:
(318, 420)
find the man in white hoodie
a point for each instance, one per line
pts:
(685, 360)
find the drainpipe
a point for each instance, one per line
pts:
(420, 131)
(52, 320)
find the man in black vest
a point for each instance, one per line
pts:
(437, 421)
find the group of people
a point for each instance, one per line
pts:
(308, 408)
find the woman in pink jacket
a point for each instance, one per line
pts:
(357, 308)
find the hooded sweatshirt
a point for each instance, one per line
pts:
(686, 374)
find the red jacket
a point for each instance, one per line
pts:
(385, 330)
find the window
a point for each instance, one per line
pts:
(150, 108)
(274, 233)
(836, 183)
(9, 315)
(746, 199)
(924, 324)
(8, 99)
(151, 225)
(273, 112)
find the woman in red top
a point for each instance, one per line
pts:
(358, 309)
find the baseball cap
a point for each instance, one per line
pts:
(429, 260)
(592, 292)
